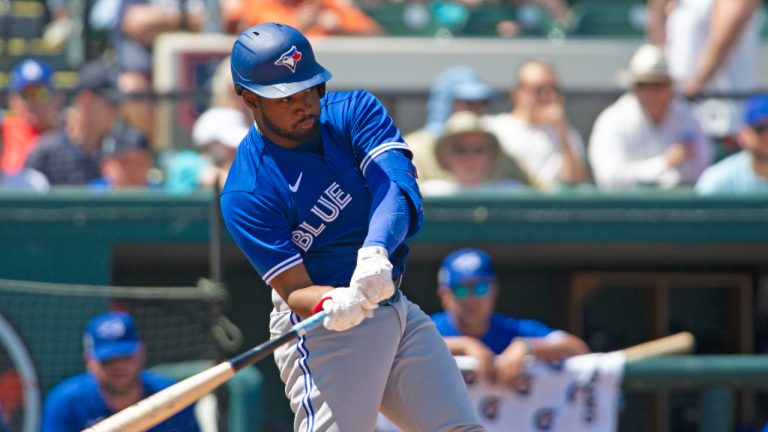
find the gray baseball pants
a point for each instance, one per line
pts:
(395, 362)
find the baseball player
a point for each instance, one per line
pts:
(321, 197)
(467, 287)
(115, 380)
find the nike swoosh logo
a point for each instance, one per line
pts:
(294, 187)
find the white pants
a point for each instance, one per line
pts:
(395, 362)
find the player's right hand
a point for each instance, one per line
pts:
(344, 308)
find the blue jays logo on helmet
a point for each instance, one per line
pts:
(265, 61)
(290, 59)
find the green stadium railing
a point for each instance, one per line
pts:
(715, 378)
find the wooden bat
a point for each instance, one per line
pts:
(148, 412)
(678, 343)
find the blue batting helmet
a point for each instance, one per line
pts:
(274, 61)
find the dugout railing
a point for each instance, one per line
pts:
(715, 380)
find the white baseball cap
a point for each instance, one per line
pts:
(227, 126)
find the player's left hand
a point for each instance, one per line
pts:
(373, 274)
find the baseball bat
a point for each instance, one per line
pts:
(677, 343)
(148, 412)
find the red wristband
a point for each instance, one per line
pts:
(319, 306)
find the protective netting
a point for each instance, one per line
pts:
(41, 330)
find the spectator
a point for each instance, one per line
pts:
(34, 104)
(648, 137)
(473, 159)
(218, 133)
(126, 162)
(140, 23)
(65, 28)
(115, 379)
(537, 131)
(311, 17)
(710, 56)
(71, 154)
(26, 179)
(457, 88)
(746, 171)
(467, 289)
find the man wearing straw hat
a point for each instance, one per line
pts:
(648, 137)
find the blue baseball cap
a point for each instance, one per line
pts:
(756, 110)
(30, 72)
(465, 264)
(110, 335)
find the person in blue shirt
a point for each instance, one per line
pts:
(467, 288)
(115, 379)
(745, 172)
(321, 197)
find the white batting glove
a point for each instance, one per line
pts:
(373, 274)
(344, 309)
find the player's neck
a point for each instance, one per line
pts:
(281, 141)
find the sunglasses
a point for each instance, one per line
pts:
(469, 150)
(479, 288)
(541, 90)
(653, 85)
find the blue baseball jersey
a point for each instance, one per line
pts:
(76, 404)
(311, 204)
(501, 331)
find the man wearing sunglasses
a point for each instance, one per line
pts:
(649, 137)
(745, 172)
(467, 289)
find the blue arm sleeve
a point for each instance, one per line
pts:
(396, 208)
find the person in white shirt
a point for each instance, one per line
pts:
(648, 138)
(710, 56)
(745, 172)
(537, 131)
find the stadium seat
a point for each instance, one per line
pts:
(609, 18)
(409, 19)
(483, 19)
(21, 28)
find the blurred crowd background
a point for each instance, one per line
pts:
(85, 104)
